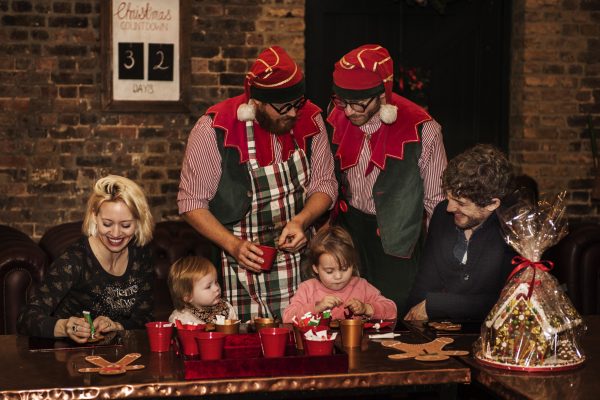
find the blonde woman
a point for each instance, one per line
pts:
(108, 272)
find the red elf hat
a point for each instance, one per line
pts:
(273, 78)
(366, 72)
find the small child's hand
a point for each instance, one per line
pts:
(327, 302)
(359, 308)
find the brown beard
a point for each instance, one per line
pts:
(367, 117)
(279, 126)
(472, 222)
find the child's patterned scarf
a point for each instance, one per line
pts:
(208, 313)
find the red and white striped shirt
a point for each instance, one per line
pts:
(201, 171)
(431, 165)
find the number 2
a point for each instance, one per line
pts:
(160, 65)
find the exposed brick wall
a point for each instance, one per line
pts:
(555, 85)
(55, 139)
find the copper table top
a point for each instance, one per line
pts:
(582, 383)
(54, 374)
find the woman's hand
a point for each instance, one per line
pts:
(76, 328)
(104, 324)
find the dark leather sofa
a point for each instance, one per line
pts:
(577, 266)
(23, 262)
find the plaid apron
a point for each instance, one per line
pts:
(278, 195)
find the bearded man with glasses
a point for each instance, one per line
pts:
(389, 157)
(258, 170)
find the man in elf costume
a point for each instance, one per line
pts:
(258, 170)
(389, 156)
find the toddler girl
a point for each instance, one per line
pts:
(333, 262)
(196, 293)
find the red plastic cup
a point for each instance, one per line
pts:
(187, 338)
(193, 327)
(159, 335)
(300, 331)
(211, 345)
(318, 347)
(268, 256)
(273, 341)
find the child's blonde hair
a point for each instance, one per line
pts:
(335, 241)
(182, 276)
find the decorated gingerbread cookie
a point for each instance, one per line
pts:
(431, 351)
(107, 368)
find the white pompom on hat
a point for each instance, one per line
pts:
(246, 112)
(388, 113)
(364, 72)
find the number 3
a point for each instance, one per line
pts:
(129, 56)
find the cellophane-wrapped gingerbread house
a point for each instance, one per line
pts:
(533, 326)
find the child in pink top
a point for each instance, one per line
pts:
(333, 262)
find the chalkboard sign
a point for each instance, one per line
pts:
(145, 54)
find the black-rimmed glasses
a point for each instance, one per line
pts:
(286, 107)
(354, 105)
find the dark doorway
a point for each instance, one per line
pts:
(464, 52)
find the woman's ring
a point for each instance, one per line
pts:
(74, 328)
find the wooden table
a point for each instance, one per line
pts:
(54, 374)
(580, 384)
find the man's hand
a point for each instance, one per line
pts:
(248, 255)
(359, 308)
(292, 237)
(327, 303)
(417, 313)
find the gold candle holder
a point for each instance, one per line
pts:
(260, 322)
(230, 326)
(352, 331)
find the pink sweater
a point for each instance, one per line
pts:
(312, 291)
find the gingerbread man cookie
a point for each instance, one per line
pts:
(108, 368)
(431, 351)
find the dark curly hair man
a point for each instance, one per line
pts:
(479, 174)
(466, 260)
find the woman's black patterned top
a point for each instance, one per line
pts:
(76, 282)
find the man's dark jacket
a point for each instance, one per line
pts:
(455, 291)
